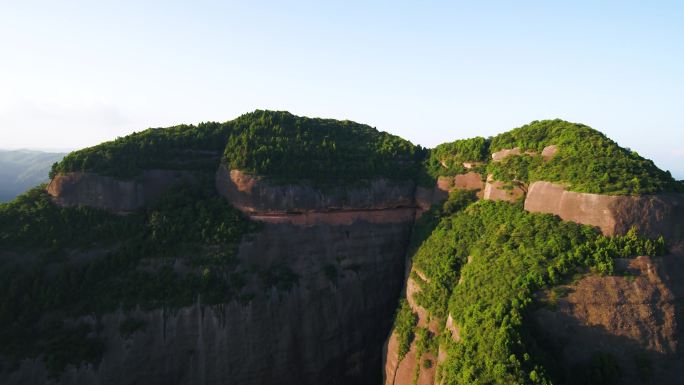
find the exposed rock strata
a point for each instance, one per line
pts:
(254, 194)
(636, 319)
(112, 194)
(653, 215)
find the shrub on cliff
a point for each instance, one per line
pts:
(404, 324)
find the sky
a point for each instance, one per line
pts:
(76, 73)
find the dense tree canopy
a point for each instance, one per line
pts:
(285, 146)
(587, 161)
(448, 158)
(183, 147)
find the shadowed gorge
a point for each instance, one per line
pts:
(282, 249)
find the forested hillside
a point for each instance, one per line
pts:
(289, 147)
(484, 265)
(512, 255)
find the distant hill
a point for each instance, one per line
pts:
(22, 169)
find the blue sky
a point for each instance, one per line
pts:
(75, 73)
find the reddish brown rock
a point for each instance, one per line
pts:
(634, 318)
(497, 190)
(549, 151)
(112, 194)
(503, 154)
(402, 372)
(256, 195)
(469, 181)
(653, 215)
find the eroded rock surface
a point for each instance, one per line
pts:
(327, 329)
(254, 194)
(112, 194)
(653, 215)
(403, 371)
(496, 190)
(636, 320)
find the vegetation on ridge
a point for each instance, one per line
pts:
(586, 160)
(288, 147)
(184, 147)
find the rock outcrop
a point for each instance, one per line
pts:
(255, 195)
(653, 215)
(402, 371)
(633, 321)
(496, 190)
(549, 152)
(112, 194)
(503, 154)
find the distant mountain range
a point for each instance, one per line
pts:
(23, 169)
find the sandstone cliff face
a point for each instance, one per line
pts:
(635, 319)
(324, 330)
(253, 194)
(346, 247)
(653, 215)
(112, 194)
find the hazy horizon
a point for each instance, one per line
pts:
(76, 74)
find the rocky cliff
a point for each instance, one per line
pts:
(328, 328)
(113, 194)
(343, 253)
(653, 215)
(416, 366)
(255, 195)
(626, 327)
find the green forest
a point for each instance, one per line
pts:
(184, 147)
(512, 254)
(289, 147)
(586, 160)
(59, 264)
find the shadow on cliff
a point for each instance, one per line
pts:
(575, 352)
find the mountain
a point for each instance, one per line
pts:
(23, 169)
(282, 249)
